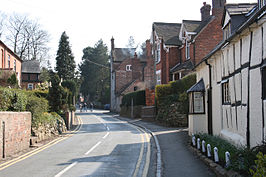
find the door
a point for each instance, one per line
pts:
(209, 102)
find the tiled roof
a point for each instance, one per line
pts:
(187, 65)
(120, 54)
(31, 66)
(191, 25)
(169, 32)
(240, 8)
(198, 87)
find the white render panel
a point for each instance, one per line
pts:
(255, 108)
(231, 59)
(245, 49)
(197, 124)
(237, 55)
(234, 138)
(256, 53)
(217, 108)
(219, 68)
(244, 85)
(238, 86)
(231, 90)
(242, 120)
(226, 67)
(234, 121)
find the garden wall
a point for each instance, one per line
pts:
(15, 132)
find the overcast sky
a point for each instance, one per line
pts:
(87, 21)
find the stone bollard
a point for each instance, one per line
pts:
(209, 150)
(227, 159)
(193, 140)
(203, 146)
(216, 156)
(198, 143)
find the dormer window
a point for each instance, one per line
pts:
(227, 31)
(128, 67)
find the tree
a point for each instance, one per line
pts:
(2, 23)
(131, 42)
(95, 72)
(27, 38)
(65, 63)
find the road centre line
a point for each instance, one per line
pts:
(66, 169)
(89, 151)
(106, 135)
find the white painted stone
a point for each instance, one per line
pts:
(209, 150)
(216, 156)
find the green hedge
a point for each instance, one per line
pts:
(175, 87)
(138, 98)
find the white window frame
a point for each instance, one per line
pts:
(225, 92)
(8, 61)
(128, 67)
(158, 77)
(187, 50)
(15, 66)
(30, 86)
(158, 52)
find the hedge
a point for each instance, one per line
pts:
(175, 87)
(137, 96)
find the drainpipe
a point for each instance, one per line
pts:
(209, 93)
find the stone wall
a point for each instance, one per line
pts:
(126, 111)
(15, 132)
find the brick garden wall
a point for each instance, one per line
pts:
(15, 132)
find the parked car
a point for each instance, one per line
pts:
(107, 106)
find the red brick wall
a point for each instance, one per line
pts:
(208, 39)
(150, 97)
(16, 133)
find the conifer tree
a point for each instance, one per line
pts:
(65, 63)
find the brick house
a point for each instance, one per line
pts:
(199, 38)
(30, 74)
(165, 49)
(230, 96)
(129, 72)
(9, 63)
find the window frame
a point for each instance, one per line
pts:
(225, 93)
(28, 86)
(8, 61)
(192, 102)
(158, 52)
(128, 68)
(263, 80)
(158, 77)
(15, 66)
(187, 50)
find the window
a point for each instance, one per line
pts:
(196, 103)
(262, 3)
(135, 88)
(15, 66)
(264, 83)
(8, 61)
(225, 91)
(128, 67)
(30, 86)
(158, 52)
(158, 77)
(187, 50)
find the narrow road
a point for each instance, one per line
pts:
(103, 146)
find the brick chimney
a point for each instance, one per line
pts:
(218, 7)
(148, 48)
(205, 11)
(112, 43)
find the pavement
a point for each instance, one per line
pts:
(176, 158)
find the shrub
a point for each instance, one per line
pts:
(12, 80)
(18, 101)
(5, 98)
(41, 93)
(138, 98)
(260, 168)
(37, 105)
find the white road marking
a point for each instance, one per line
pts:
(106, 135)
(66, 169)
(89, 151)
(108, 128)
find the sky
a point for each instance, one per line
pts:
(87, 21)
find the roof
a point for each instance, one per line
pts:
(198, 87)
(253, 18)
(191, 25)
(187, 65)
(169, 32)
(240, 8)
(120, 54)
(31, 66)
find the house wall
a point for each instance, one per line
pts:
(240, 63)
(4, 53)
(15, 132)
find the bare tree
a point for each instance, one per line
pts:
(27, 38)
(2, 23)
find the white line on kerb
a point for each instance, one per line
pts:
(93, 147)
(106, 135)
(66, 169)
(108, 128)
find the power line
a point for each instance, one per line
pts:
(98, 64)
